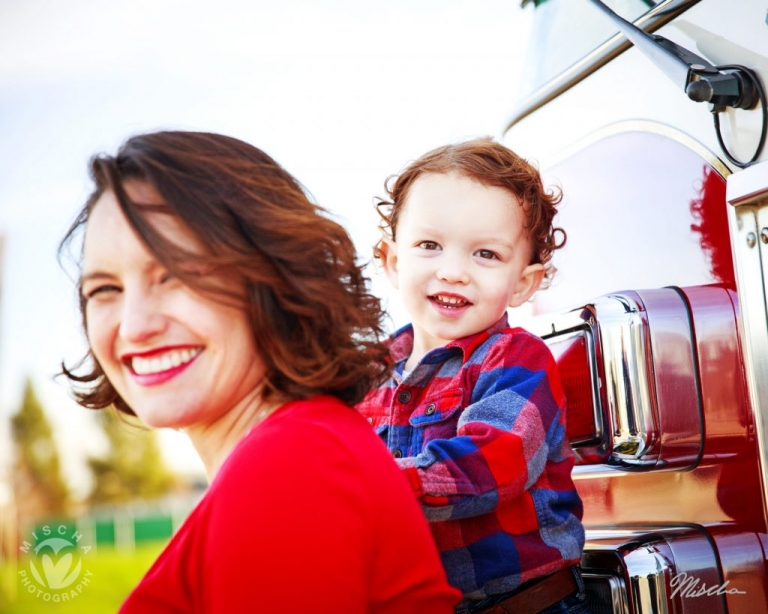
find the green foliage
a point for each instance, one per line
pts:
(115, 574)
(37, 471)
(133, 467)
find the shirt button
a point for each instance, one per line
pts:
(370, 420)
(404, 396)
(430, 409)
(397, 453)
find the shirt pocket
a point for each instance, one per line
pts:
(438, 414)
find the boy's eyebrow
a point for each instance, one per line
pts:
(510, 243)
(497, 241)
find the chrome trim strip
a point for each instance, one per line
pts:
(651, 21)
(648, 571)
(624, 340)
(621, 343)
(594, 472)
(642, 125)
(749, 187)
(747, 192)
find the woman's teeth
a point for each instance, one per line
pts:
(158, 364)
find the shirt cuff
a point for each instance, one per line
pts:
(412, 474)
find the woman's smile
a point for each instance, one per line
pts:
(157, 366)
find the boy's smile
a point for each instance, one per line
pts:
(460, 258)
(450, 302)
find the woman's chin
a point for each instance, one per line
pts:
(158, 420)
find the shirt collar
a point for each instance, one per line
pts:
(401, 344)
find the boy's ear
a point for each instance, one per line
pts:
(529, 282)
(388, 254)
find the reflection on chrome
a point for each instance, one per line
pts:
(634, 569)
(639, 425)
(624, 336)
(648, 569)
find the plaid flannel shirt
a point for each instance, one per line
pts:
(479, 429)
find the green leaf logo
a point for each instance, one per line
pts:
(56, 574)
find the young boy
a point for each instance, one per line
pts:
(474, 412)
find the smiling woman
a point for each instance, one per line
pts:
(218, 299)
(153, 335)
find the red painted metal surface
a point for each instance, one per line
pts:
(659, 216)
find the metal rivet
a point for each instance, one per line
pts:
(764, 235)
(430, 409)
(751, 239)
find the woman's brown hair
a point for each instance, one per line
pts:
(316, 324)
(490, 163)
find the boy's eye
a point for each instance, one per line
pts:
(428, 245)
(487, 254)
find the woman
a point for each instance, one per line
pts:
(216, 298)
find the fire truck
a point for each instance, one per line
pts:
(651, 118)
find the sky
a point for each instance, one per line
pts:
(341, 93)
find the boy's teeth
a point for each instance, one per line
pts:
(158, 364)
(450, 301)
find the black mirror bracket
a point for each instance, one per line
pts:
(751, 90)
(723, 87)
(730, 88)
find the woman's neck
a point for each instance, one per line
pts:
(215, 441)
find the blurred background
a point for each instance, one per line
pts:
(341, 93)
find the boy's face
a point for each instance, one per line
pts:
(460, 259)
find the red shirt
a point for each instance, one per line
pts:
(308, 514)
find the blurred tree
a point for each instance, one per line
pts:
(133, 467)
(40, 490)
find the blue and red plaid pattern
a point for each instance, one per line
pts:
(479, 429)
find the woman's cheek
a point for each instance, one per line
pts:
(100, 332)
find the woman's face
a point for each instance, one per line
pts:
(177, 357)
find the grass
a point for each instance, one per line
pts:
(114, 574)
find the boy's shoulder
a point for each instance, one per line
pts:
(517, 334)
(498, 341)
(506, 343)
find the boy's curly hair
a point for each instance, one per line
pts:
(494, 165)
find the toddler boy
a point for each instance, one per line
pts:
(474, 412)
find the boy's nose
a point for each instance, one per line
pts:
(453, 269)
